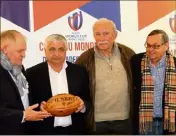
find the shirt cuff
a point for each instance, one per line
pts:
(83, 110)
(23, 118)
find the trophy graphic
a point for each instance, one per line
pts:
(172, 22)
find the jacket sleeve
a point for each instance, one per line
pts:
(86, 92)
(8, 112)
(10, 115)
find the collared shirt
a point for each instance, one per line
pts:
(58, 81)
(158, 74)
(115, 51)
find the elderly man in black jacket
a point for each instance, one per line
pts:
(15, 113)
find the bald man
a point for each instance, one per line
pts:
(15, 112)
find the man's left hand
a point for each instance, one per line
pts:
(82, 107)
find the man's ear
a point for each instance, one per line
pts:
(4, 49)
(115, 34)
(45, 50)
(167, 46)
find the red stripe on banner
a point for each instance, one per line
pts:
(46, 12)
(150, 11)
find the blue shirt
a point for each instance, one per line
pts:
(158, 74)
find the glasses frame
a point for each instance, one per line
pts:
(154, 46)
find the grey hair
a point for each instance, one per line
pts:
(165, 37)
(55, 37)
(105, 20)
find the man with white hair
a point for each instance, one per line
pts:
(15, 96)
(108, 65)
(56, 76)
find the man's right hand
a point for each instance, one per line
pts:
(31, 115)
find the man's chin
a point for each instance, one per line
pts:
(18, 64)
(151, 56)
(152, 59)
(57, 62)
(102, 47)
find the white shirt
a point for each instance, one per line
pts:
(58, 81)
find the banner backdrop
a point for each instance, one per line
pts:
(74, 19)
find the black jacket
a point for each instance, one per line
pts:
(78, 84)
(11, 106)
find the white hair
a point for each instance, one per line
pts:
(105, 20)
(55, 37)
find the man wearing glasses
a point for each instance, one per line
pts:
(154, 76)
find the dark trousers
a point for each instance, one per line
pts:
(157, 127)
(117, 127)
(69, 130)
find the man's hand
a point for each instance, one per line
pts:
(42, 106)
(81, 108)
(31, 115)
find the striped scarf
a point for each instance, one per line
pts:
(147, 91)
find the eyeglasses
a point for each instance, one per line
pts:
(155, 46)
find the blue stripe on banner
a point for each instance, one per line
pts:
(104, 9)
(16, 12)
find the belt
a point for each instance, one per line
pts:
(158, 119)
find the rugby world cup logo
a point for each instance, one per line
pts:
(75, 22)
(172, 22)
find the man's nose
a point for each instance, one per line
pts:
(23, 54)
(102, 37)
(57, 52)
(151, 48)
